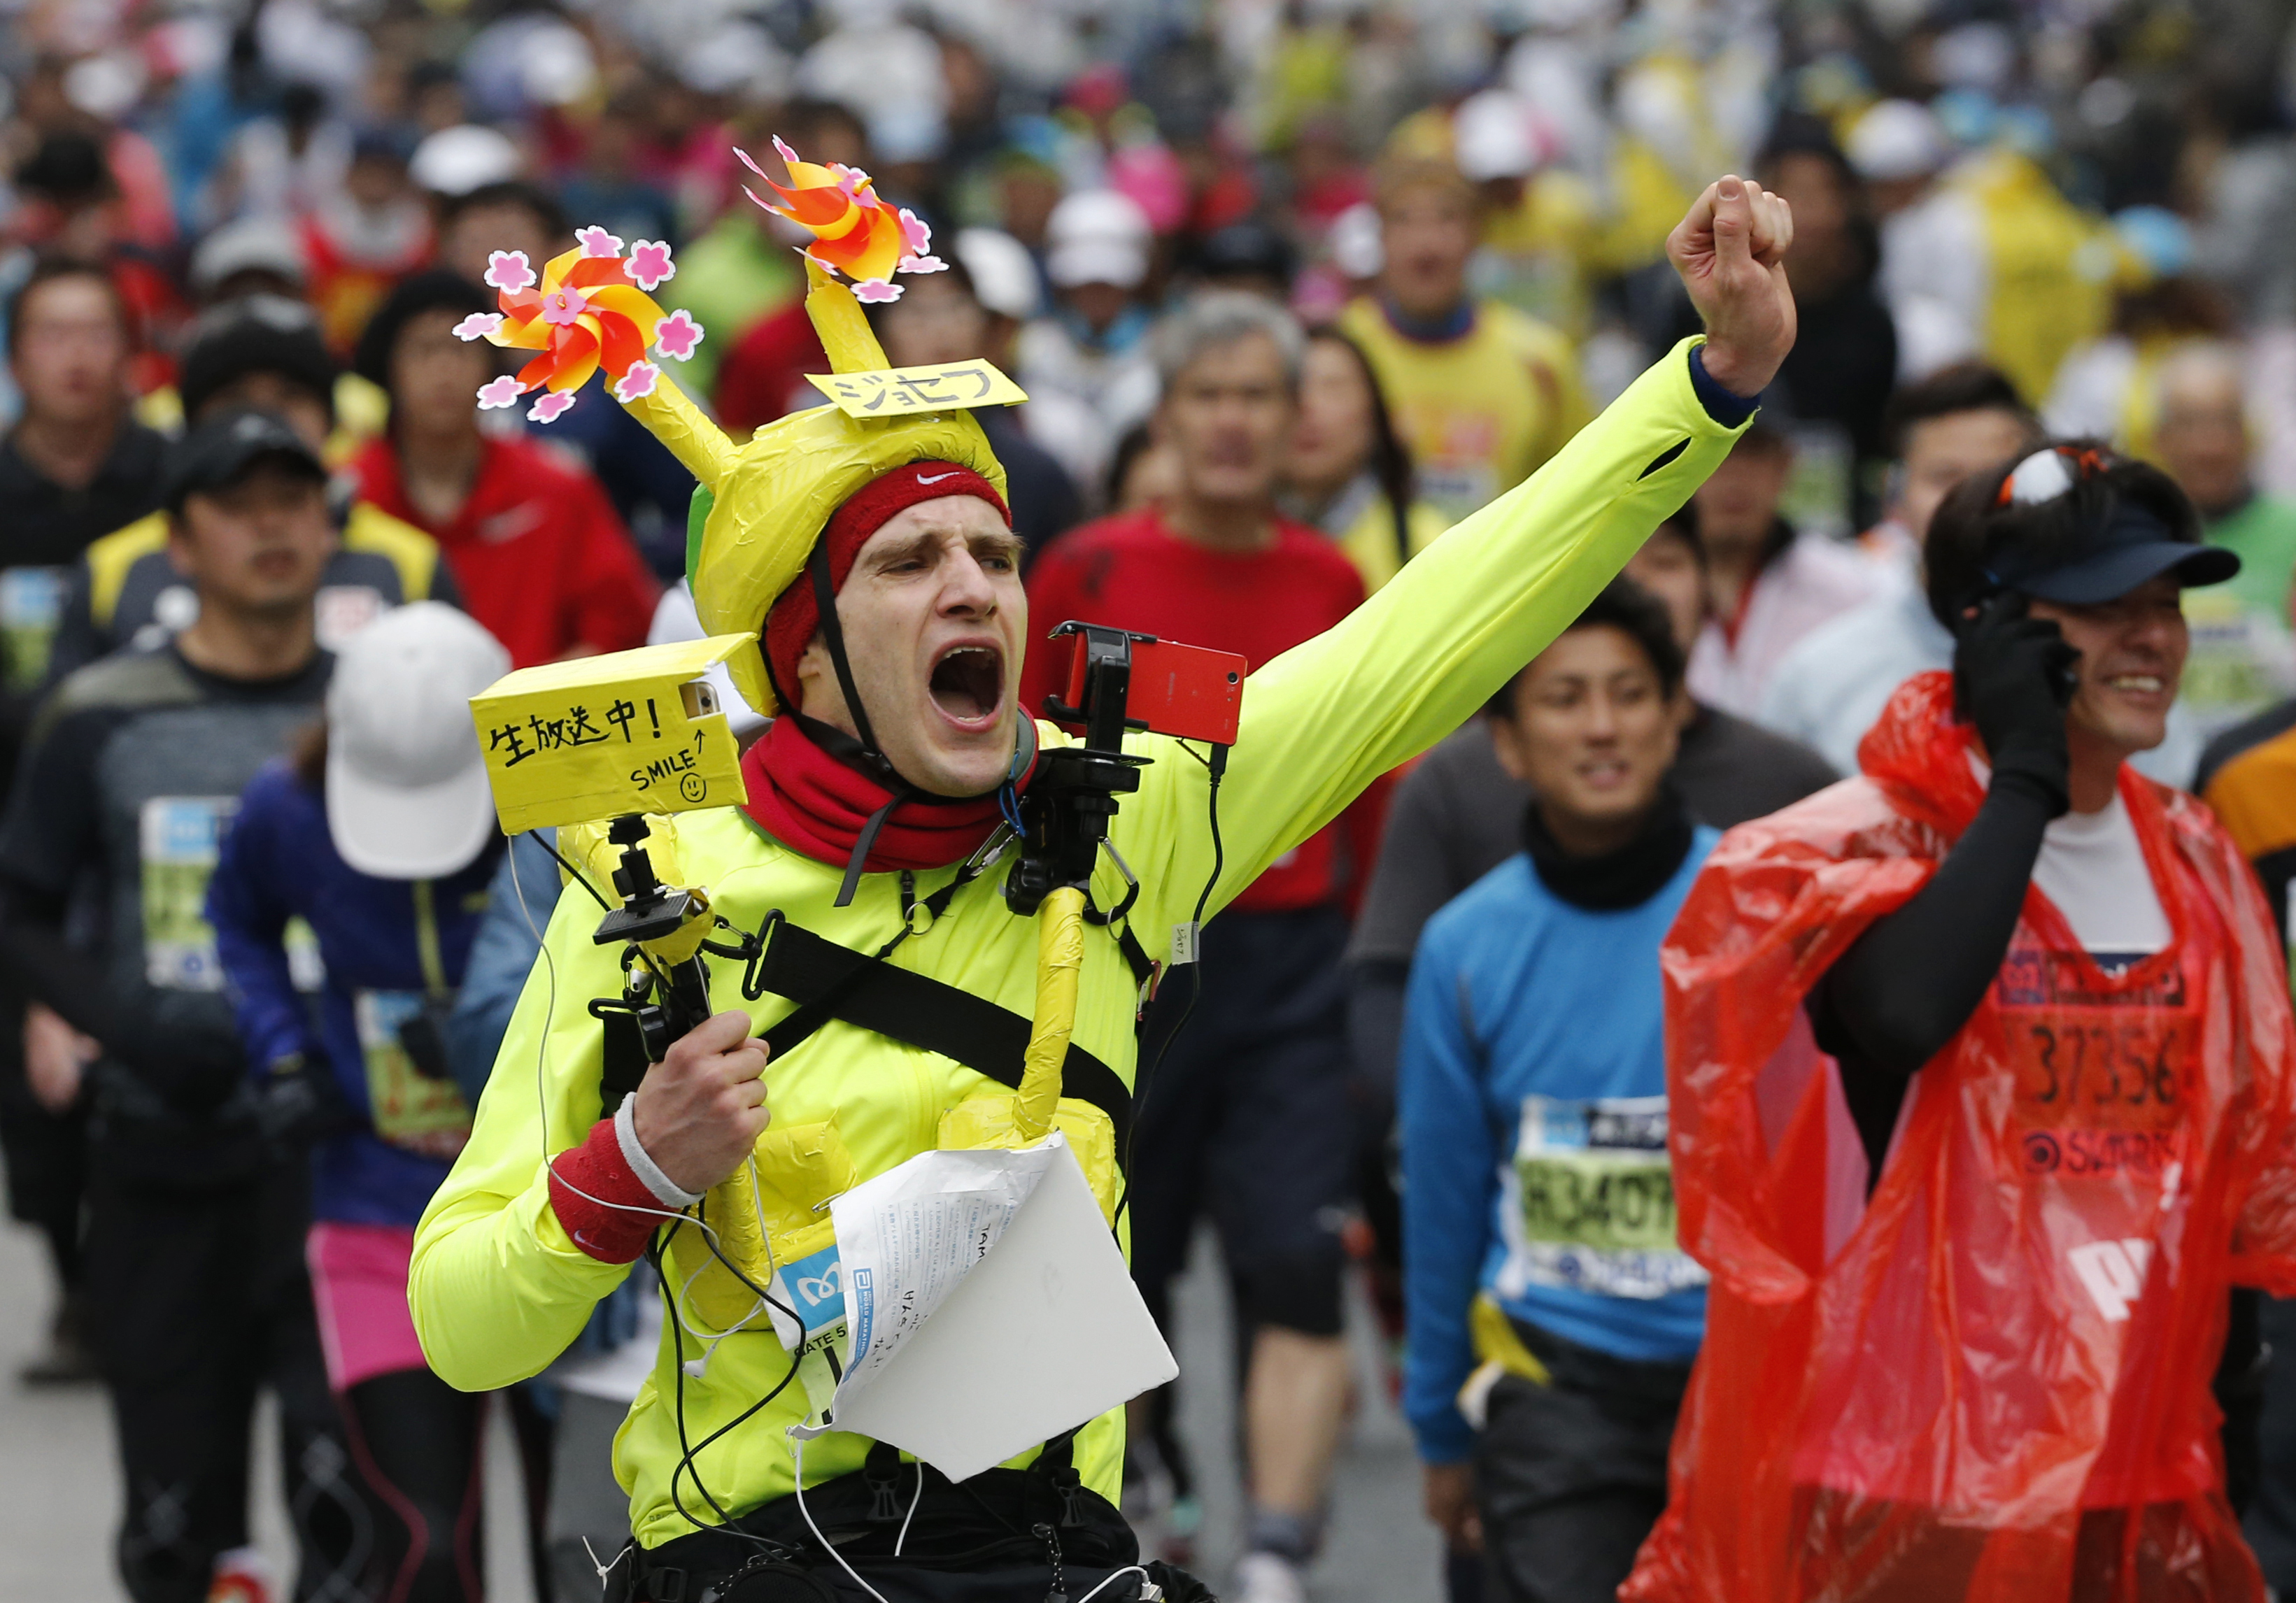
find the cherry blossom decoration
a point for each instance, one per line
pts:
(677, 336)
(855, 233)
(589, 309)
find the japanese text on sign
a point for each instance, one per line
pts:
(636, 732)
(514, 741)
(897, 391)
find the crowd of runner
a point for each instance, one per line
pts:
(1292, 289)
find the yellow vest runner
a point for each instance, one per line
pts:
(1480, 413)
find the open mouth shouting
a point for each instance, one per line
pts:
(967, 685)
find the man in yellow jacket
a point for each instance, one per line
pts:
(1481, 392)
(873, 794)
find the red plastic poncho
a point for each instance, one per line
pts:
(1956, 1389)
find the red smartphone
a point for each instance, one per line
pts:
(1188, 692)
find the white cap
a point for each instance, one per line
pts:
(555, 66)
(1003, 278)
(1897, 139)
(251, 244)
(1492, 136)
(407, 785)
(1097, 236)
(106, 86)
(456, 160)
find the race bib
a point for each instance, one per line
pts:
(31, 608)
(409, 1109)
(342, 610)
(180, 835)
(2240, 659)
(179, 839)
(1595, 1200)
(814, 1288)
(2103, 1074)
(1462, 484)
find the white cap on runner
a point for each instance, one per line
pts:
(406, 786)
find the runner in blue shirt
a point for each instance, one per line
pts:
(1551, 1318)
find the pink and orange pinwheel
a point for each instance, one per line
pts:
(854, 232)
(589, 310)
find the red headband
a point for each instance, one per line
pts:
(792, 619)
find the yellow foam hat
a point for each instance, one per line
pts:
(769, 499)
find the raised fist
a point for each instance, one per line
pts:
(1731, 250)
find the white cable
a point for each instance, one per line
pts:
(542, 1064)
(798, 1449)
(677, 1298)
(606, 1570)
(915, 1499)
(696, 1367)
(1130, 1569)
(758, 1210)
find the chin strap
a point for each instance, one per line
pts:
(860, 748)
(832, 630)
(863, 751)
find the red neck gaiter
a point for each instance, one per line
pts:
(812, 802)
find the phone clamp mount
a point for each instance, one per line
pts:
(661, 928)
(1065, 812)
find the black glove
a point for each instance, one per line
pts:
(422, 1037)
(298, 1102)
(2013, 677)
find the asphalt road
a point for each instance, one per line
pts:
(58, 1489)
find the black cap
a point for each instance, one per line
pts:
(219, 452)
(256, 334)
(2131, 546)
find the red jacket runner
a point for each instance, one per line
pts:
(1959, 1388)
(538, 551)
(1131, 572)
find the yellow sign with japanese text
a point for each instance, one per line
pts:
(897, 391)
(631, 732)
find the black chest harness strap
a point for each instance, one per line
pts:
(829, 981)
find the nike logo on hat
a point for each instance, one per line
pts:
(936, 479)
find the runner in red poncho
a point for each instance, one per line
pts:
(2059, 1041)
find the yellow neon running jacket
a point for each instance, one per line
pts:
(498, 1289)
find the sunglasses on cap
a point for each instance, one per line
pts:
(2127, 547)
(2052, 471)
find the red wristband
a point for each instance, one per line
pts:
(595, 1191)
